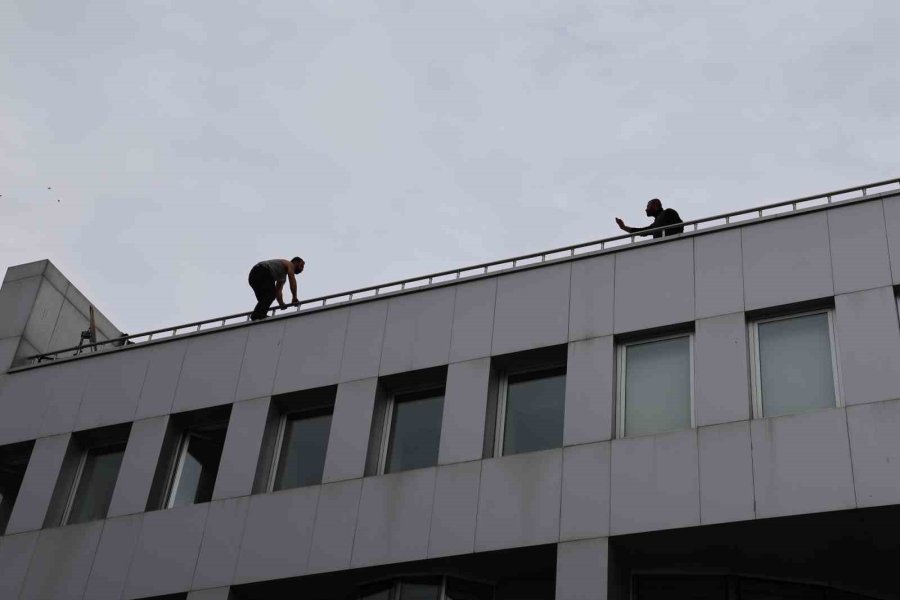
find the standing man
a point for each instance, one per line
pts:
(267, 280)
(661, 218)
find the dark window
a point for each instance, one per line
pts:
(415, 431)
(197, 465)
(94, 483)
(304, 440)
(533, 412)
(13, 462)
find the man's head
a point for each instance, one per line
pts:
(298, 264)
(654, 207)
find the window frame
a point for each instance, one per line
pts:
(419, 393)
(503, 398)
(394, 586)
(183, 445)
(307, 413)
(755, 367)
(621, 371)
(79, 471)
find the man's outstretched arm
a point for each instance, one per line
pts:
(628, 229)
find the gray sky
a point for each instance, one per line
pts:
(185, 141)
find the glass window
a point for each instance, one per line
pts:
(197, 466)
(415, 431)
(459, 589)
(13, 462)
(655, 392)
(303, 443)
(427, 588)
(420, 590)
(795, 365)
(377, 594)
(533, 411)
(94, 483)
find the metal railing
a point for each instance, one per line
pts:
(479, 270)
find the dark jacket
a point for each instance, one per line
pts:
(667, 217)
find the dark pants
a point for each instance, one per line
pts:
(263, 285)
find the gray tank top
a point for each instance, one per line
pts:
(276, 268)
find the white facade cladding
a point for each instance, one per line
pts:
(716, 414)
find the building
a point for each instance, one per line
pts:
(711, 415)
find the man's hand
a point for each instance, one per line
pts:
(622, 225)
(295, 302)
(282, 305)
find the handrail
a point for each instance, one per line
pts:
(480, 269)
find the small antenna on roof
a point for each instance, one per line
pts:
(89, 335)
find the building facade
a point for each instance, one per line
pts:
(714, 415)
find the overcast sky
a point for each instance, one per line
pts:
(184, 141)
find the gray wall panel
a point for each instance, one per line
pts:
(365, 336)
(15, 556)
(519, 500)
(138, 466)
(394, 516)
(786, 260)
(532, 309)
(859, 251)
(721, 370)
(892, 224)
(44, 316)
(114, 554)
(726, 473)
(585, 491)
(801, 464)
(582, 570)
(868, 340)
(455, 509)
(38, 484)
(113, 387)
(9, 348)
(350, 426)
(221, 542)
(417, 332)
(593, 294)
(260, 360)
(719, 276)
(311, 351)
(62, 387)
(16, 300)
(335, 526)
(21, 408)
(654, 286)
(62, 562)
(588, 415)
(465, 405)
(655, 483)
(25, 270)
(211, 369)
(166, 552)
(163, 370)
(875, 451)
(240, 454)
(274, 546)
(473, 320)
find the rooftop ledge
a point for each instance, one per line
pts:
(474, 272)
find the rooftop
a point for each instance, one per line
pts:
(472, 272)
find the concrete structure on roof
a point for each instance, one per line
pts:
(714, 415)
